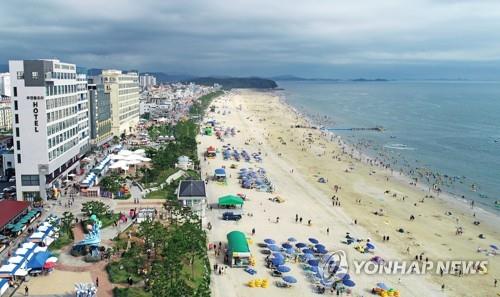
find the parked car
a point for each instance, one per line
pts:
(230, 216)
(12, 179)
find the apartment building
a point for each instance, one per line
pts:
(123, 91)
(100, 114)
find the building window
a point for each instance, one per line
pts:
(18, 158)
(20, 75)
(16, 118)
(15, 91)
(15, 104)
(17, 132)
(30, 196)
(34, 75)
(18, 145)
(30, 180)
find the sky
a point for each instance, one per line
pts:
(410, 39)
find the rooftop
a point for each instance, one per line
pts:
(9, 209)
(192, 188)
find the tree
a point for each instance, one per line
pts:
(95, 207)
(111, 183)
(67, 222)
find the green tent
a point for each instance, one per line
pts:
(230, 200)
(237, 242)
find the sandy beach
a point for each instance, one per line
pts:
(295, 158)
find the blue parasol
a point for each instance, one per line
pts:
(278, 261)
(313, 262)
(383, 286)
(300, 245)
(289, 251)
(370, 246)
(348, 283)
(307, 251)
(494, 247)
(283, 268)
(320, 247)
(292, 239)
(274, 247)
(308, 256)
(290, 279)
(269, 241)
(278, 255)
(287, 246)
(313, 240)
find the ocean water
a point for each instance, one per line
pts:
(438, 131)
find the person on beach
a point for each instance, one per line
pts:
(253, 231)
(296, 218)
(328, 231)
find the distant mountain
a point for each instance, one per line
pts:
(236, 82)
(368, 79)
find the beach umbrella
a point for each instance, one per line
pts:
(292, 239)
(346, 276)
(322, 252)
(289, 251)
(278, 261)
(300, 245)
(278, 255)
(320, 246)
(287, 246)
(383, 286)
(308, 256)
(494, 247)
(290, 279)
(348, 283)
(49, 265)
(307, 251)
(283, 268)
(273, 247)
(52, 259)
(313, 262)
(370, 246)
(269, 241)
(313, 240)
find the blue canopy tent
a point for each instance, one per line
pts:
(38, 260)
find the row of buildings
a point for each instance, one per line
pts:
(58, 114)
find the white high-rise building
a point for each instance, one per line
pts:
(51, 124)
(146, 81)
(123, 90)
(5, 84)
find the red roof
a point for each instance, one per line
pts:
(9, 209)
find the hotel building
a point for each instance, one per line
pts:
(100, 114)
(51, 124)
(123, 91)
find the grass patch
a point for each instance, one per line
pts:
(119, 271)
(109, 220)
(159, 194)
(199, 270)
(130, 292)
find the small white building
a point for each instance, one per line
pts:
(192, 193)
(184, 163)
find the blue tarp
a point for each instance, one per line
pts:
(220, 172)
(38, 260)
